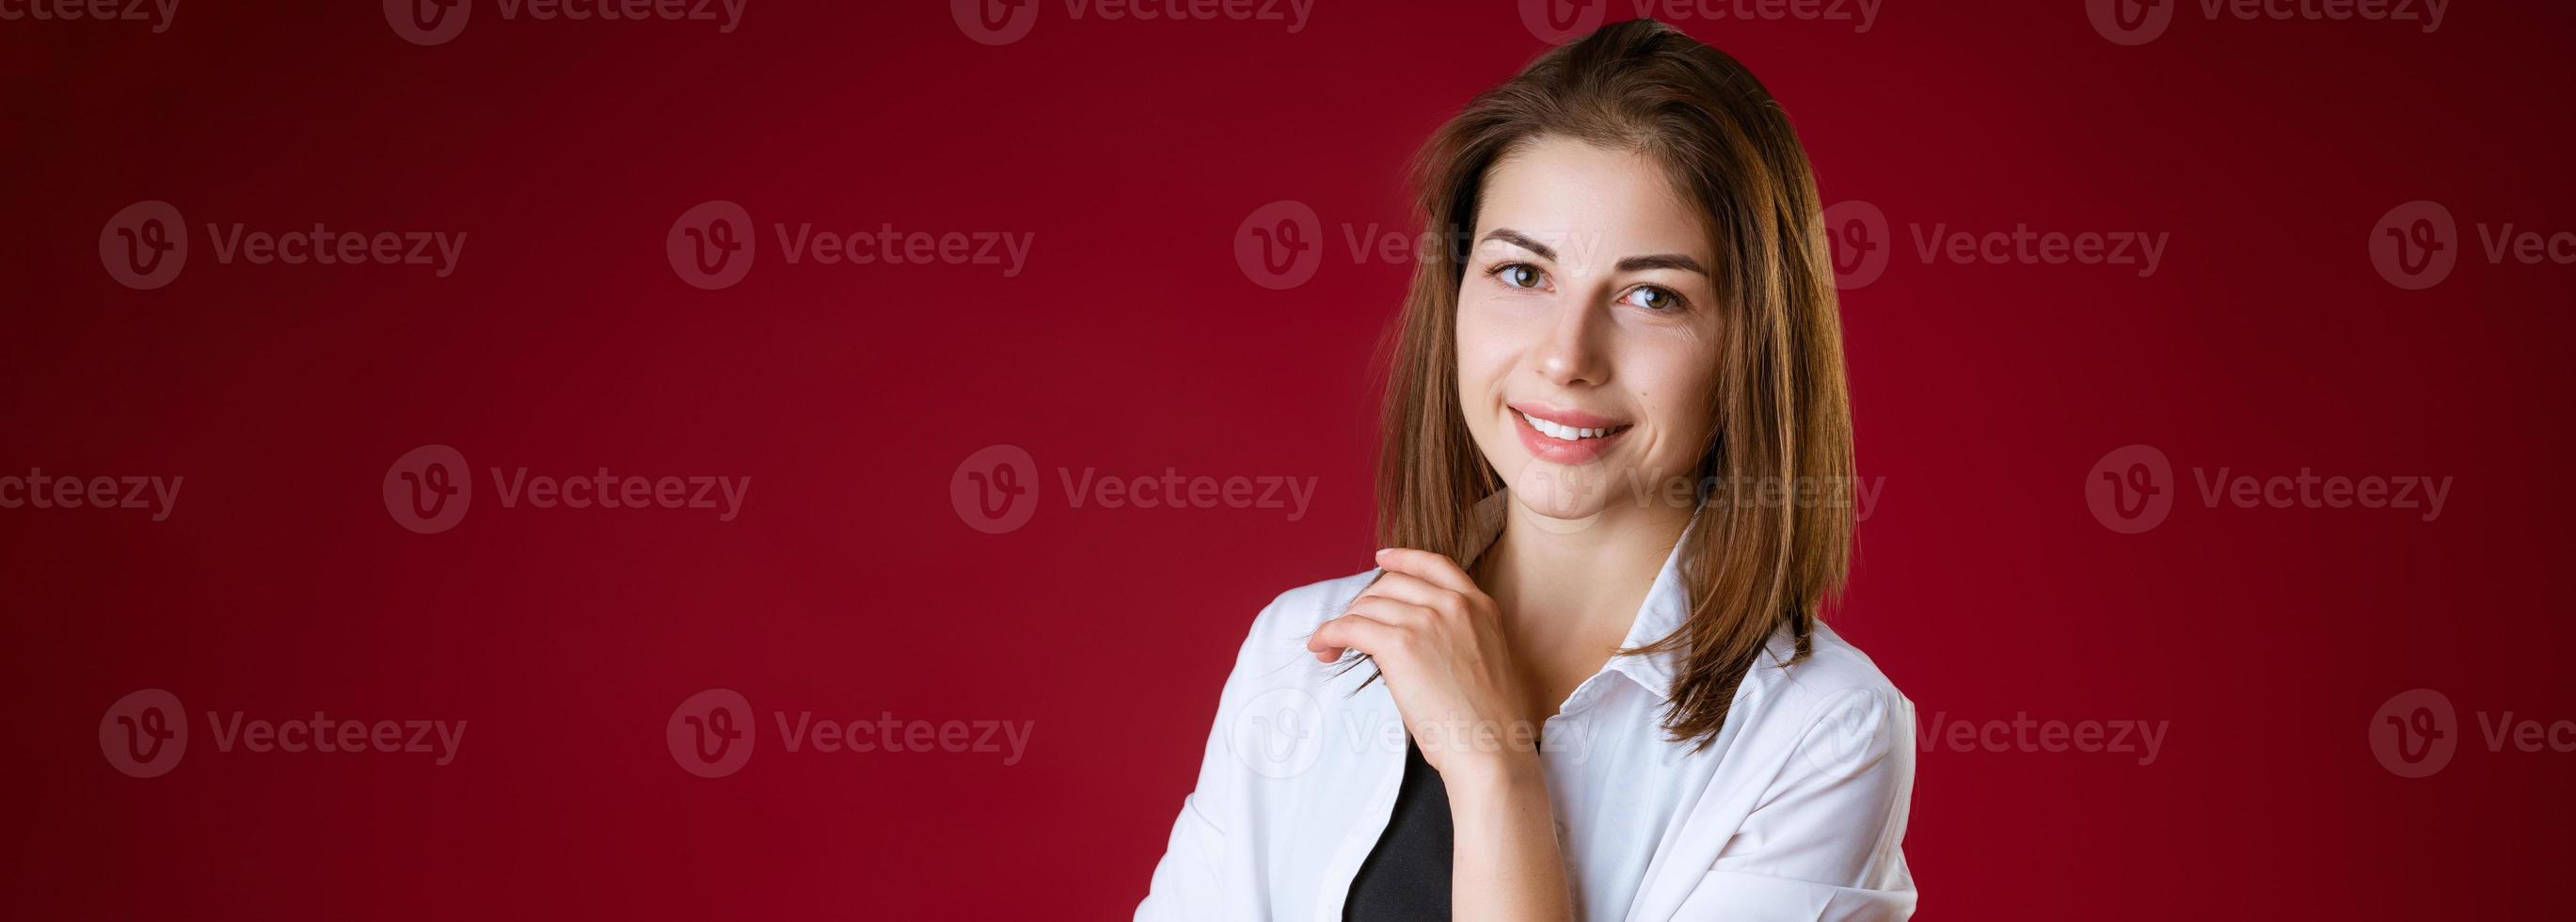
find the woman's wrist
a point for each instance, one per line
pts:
(1507, 862)
(1485, 776)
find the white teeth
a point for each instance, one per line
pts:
(1561, 432)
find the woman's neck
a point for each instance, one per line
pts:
(1569, 589)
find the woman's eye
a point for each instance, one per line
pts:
(1653, 298)
(1519, 275)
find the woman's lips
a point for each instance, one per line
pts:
(1564, 436)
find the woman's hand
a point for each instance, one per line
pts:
(1438, 643)
(1439, 647)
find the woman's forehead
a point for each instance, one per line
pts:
(1595, 199)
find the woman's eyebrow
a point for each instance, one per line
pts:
(1630, 264)
(1524, 241)
(1661, 261)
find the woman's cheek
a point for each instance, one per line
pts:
(1485, 352)
(1674, 395)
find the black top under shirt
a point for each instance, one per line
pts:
(1406, 876)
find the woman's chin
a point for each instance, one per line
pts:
(1576, 494)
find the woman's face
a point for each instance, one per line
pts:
(1587, 330)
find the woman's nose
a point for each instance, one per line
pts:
(1569, 354)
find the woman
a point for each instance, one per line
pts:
(1587, 678)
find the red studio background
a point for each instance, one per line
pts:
(2301, 314)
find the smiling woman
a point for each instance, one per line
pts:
(1588, 678)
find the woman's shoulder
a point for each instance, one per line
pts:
(1836, 705)
(1834, 670)
(1298, 612)
(1274, 655)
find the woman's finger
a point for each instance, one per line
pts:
(1390, 610)
(1429, 567)
(1352, 632)
(1411, 589)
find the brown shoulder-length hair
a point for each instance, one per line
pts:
(1761, 552)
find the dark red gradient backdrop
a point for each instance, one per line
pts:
(2265, 640)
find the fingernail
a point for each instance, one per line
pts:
(1383, 551)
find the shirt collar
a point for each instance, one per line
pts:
(1666, 608)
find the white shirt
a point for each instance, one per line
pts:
(1797, 811)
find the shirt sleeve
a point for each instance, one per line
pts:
(1187, 882)
(1825, 841)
